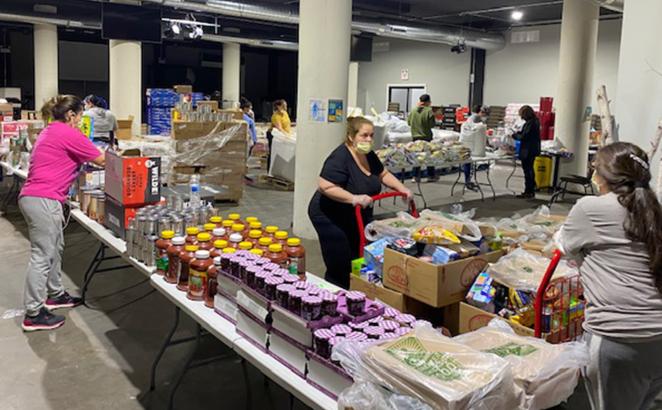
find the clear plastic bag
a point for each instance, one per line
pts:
(544, 374)
(402, 225)
(461, 224)
(523, 270)
(433, 368)
(369, 396)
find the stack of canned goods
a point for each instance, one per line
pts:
(143, 230)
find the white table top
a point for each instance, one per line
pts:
(13, 171)
(206, 317)
(115, 244)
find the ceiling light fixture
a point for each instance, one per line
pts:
(517, 15)
(175, 28)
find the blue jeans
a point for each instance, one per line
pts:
(467, 173)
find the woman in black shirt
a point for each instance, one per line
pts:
(529, 149)
(349, 177)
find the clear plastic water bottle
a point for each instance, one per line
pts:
(194, 191)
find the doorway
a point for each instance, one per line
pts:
(403, 96)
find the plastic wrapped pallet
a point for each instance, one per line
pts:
(283, 155)
(433, 368)
(216, 151)
(545, 375)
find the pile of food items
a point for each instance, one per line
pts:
(422, 154)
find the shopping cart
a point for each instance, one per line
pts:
(359, 216)
(559, 306)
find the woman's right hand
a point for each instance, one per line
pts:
(363, 200)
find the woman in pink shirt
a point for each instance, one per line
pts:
(56, 158)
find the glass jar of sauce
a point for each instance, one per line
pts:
(245, 246)
(235, 218)
(217, 234)
(270, 230)
(209, 227)
(212, 282)
(197, 281)
(276, 255)
(235, 239)
(254, 237)
(219, 245)
(296, 258)
(281, 238)
(204, 241)
(174, 251)
(216, 220)
(185, 259)
(161, 249)
(192, 235)
(263, 243)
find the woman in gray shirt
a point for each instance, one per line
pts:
(617, 240)
(104, 120)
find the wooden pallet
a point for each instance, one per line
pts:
(277, 182)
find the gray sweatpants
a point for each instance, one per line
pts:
(44, 218)
(622, 375)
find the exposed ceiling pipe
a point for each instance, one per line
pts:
(48, 20)
(449, 36)
(276, 44)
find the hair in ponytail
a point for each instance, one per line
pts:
(56, 108)
(625, 169)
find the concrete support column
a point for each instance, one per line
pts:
(637, 106)
(323, 75)
(353, 87)
(231, 73)
(125, 78)
(579, 40)
(45, 63)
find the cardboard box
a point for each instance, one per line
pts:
(183, 89)
(435, 285)
(237, 114)
(6, 112)
(472, 318)
(117, 216)
(132, 179)
(123, 131)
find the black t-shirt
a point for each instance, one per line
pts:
(341, 169)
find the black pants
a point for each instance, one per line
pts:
(529, 174)
(339, 245)
(270, 139)
(432, 172)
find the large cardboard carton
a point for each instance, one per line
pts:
(435, 285)
(123, 131)
(183, 89)
(472, 318)
(132, 179)
(117, 216)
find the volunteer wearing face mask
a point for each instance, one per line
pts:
(349, 177)
(616, 239)
(56, 157)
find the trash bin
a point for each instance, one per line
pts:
(542, 167)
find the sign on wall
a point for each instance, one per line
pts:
(336, 112)
(404, 74)
(316, 110)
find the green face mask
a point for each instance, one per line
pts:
(363, 147)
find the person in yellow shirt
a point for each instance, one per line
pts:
(281, 121)
(280, 118)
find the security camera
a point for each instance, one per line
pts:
(459, 48)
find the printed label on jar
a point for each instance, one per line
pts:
(293, 267)
(174, 266)
(197, 281)
(162, 262)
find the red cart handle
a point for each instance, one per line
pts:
(540, 295)
(359, 216)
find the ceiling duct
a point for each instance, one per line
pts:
(613, 5)
(449, 36)
(48, 20)
(280, 45)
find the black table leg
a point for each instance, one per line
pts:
(159, 355)
(187, 364)
(555, 179)
(93, 269)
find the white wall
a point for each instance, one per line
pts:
(445, 74)
(525, 72)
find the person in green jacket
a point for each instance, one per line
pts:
(421, 120)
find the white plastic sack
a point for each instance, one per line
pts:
(432, 368)
(474, 136)
(545, 374)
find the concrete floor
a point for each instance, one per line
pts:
(101, 358)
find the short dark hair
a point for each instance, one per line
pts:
(425, 98)
(476, 109)
(97, 101)
(527, 113)
(244, 103)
